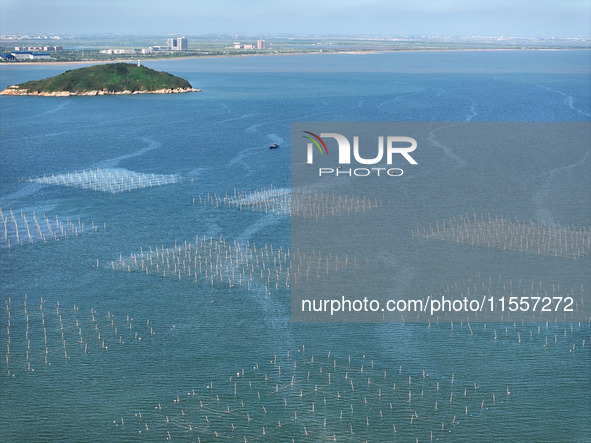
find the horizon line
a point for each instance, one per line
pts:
(263, 34)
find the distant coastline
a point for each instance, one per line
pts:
(82, 62)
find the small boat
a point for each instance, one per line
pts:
(274, 146)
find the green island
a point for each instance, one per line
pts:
(105, 79)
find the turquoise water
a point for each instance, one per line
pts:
(196, 336)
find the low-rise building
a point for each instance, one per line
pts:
(39, 48)
(117, 51)
(29, 55)
(238, 45)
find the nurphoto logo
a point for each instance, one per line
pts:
(394, 145)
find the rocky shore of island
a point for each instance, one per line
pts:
(16, 90)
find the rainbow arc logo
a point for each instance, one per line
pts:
(318, 139)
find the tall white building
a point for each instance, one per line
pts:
(177, 44)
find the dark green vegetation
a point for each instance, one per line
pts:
(113, 77)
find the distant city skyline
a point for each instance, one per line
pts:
(522, 18)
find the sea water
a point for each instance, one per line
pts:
(68, 375)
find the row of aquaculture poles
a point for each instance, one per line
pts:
(37, 335)
(547, 301)
(297, 396)
(22, 228)
(547, 324)
(511, 234)
(108, 180)
(296, 203)
(231, 263)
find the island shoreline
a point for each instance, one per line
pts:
(13, 92)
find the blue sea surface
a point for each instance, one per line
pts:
(60, 295)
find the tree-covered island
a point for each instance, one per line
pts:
(104, 79)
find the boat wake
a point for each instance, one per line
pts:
(460, 162)
(568, 101)
(114, 162)
(540, 198)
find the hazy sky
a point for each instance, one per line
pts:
(544, 18)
